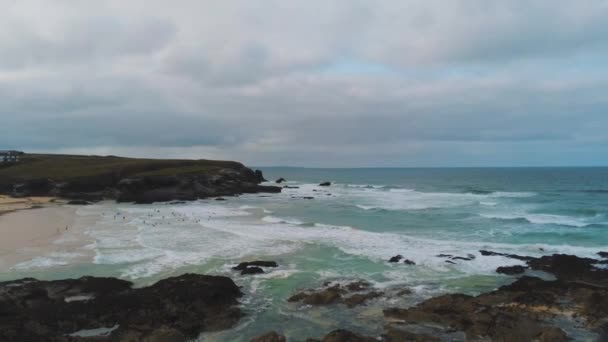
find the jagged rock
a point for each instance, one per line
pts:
(409, 262)
(326, 296)
(341, 335)
(396, 258)
(511, 270)
(512, 256)
(360, 298)
(280, 180)
(35, 310)
(220, 199)
(398, 335)
(290, 187)
(603, 254)
(525, 310)
(260, 176)
(325, 184)
(334, 294)
(258, 263)
(551, 334)
(252, 270)
(272, 336)
(570, 267)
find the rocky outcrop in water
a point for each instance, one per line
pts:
(174, 309)
(525, 310)
(254, 267)
(351, 294)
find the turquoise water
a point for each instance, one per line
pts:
(346, 232)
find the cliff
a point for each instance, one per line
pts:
(95, 178)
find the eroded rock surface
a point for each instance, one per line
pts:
(173, 309)
(351, 294)
(525, 310)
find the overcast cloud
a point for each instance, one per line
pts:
(309, 83)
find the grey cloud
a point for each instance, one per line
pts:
(462, 80)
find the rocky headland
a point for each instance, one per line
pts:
(94, 178)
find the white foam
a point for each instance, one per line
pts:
(205, 232)
(53, 260)
(540, 218)
(274, 219)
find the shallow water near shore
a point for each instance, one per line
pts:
(347, 231)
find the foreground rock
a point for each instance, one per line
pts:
(525, 310)
(93, 178)
(392, 335)
(174, 309)
(511, 270)
(351, 294)
(272, 336)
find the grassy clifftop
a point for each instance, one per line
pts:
(68, 167)
(127, 179)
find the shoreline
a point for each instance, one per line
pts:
(38, 227)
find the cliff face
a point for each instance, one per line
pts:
(128, 180)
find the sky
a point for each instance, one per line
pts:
(319, 83)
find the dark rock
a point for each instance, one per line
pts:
(603, 254)
(469, 257)
(266, 188)
(462, 258)
(565, 266)
(272, 336)
(326, 296)
(252, 270)
(173, 308)
(511, 270)
(444, 255)
(257, 263)
(260, 176)
(220, 199)
(450, 262)
(512, 256)
(398, 335)
(325, 184)
(360, 298)
(358, 286)
(79, 202)
(409, 262)
(335, 294)
(341, 335)
(396, 258)
(290, 187)
(526, 309)
(280, 180)
(551, 334)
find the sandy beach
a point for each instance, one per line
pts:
(30, 226)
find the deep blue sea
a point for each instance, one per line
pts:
(346, 231)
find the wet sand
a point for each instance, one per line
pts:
(32, 227)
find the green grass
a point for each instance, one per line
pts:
(68, 167)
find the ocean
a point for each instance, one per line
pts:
(346, 231)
